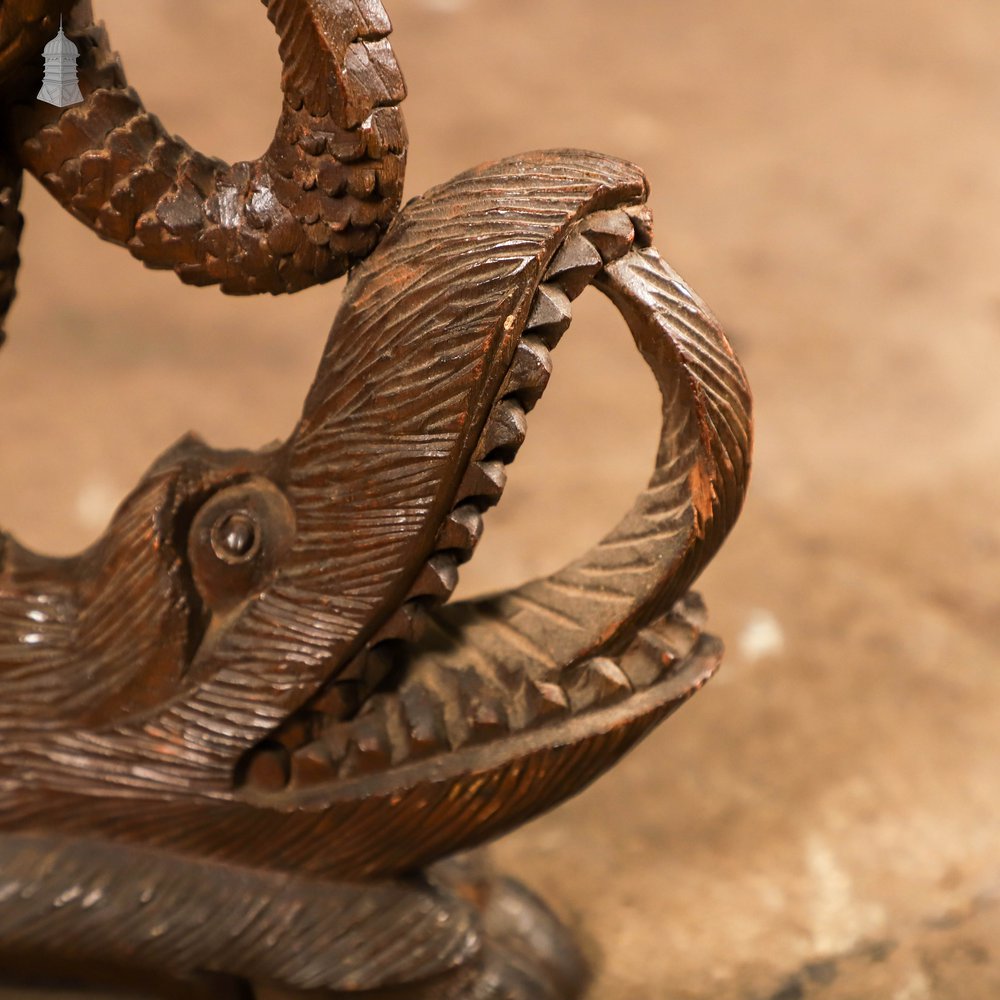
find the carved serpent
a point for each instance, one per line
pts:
(242, 730)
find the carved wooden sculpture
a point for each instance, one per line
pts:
(242, 730)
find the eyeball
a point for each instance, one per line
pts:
(235, 538)
(237, 541)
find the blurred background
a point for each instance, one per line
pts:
(824, 819)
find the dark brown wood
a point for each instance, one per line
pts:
(316, 201)
(243, 732)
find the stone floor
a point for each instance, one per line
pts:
(823, 821)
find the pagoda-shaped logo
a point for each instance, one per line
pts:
(60, 86)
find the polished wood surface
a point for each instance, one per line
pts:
(243, 731)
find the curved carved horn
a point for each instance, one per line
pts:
(316, 201)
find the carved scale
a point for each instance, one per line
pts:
(243, 733)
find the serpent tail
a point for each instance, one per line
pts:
(315, 202)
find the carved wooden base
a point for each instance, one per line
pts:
(525, 953)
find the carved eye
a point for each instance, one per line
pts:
(238, 539)
(235, 538)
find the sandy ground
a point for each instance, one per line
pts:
(823, 820)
